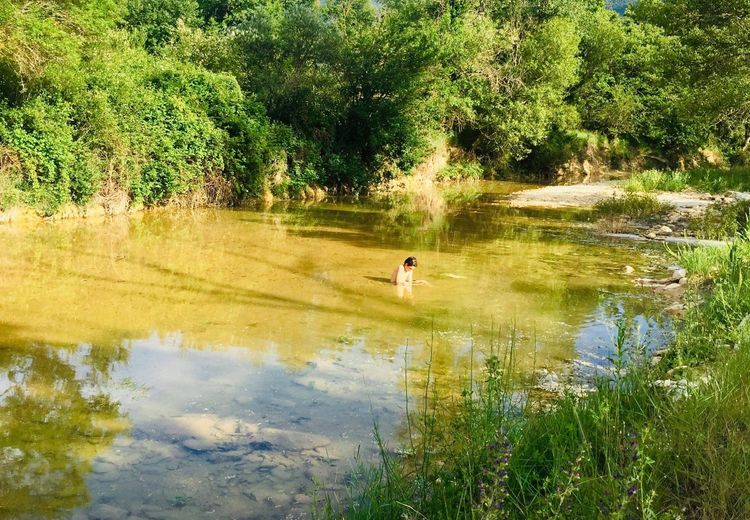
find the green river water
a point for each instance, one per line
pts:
(214, 363)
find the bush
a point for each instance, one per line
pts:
(54, 164)
(151, 126)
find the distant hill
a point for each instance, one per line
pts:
(618, 5)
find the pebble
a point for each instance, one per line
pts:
(675, 309)
(678, 274)
(629, 269)
(99, 466)
(10, 454)
(665, 230)
(651, 235)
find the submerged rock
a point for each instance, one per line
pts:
(199, 445)
(302, 499)
(291, 440)
(107, 512)
(679, 274)
(549, 382)
(676, 309)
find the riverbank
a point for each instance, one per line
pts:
(689, 216)
(660, 437)
(588, 195)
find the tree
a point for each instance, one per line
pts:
(714, 41)
(158, 19)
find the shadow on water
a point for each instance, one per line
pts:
(379, 279)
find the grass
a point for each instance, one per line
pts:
(635, 448)
(631, 205)
(721, 220)
(656, 180)
(718, 180)
(712, 180)
(719, 323)
(461, 170)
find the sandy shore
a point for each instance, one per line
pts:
(586, 195)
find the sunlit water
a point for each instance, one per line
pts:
(214, 363)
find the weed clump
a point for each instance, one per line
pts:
(721, 220)
(656, 180)
(632, 205)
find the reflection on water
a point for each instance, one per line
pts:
(214, 362)
(54, 419)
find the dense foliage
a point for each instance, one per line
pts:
(229, 98)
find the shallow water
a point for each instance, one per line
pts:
(213, 363)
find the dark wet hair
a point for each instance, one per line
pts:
(411, 261)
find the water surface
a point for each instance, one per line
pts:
(213, 363)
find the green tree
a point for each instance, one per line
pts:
(157, 20)
(714, 41)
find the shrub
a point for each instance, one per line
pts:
(632, 205)
(54, 164)
(721, 220)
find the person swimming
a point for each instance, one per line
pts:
(403, 274)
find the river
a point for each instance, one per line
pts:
(216, 363)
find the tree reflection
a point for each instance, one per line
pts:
(54, 418)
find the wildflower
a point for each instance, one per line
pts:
(493, 485)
